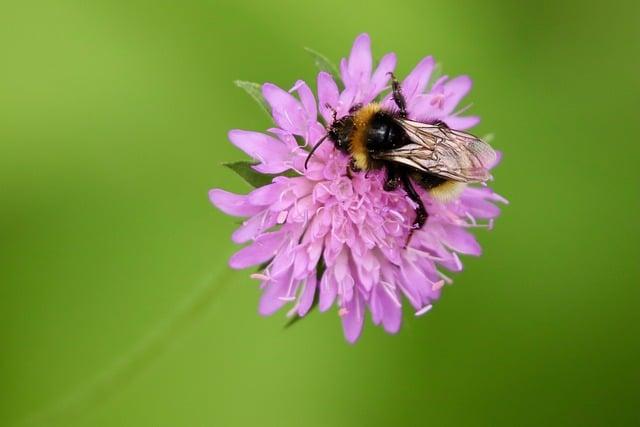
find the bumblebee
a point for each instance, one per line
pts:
(430, 154)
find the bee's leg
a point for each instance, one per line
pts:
(398, 97)
(440, 124)
(393, 179)
(421, 212)
(351, 167)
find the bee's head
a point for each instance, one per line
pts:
(340, 133)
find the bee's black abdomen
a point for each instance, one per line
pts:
(384, 133)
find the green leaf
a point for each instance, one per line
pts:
(255, 91)
(247, 173)
(300, 140)
(264, 265)
(324, 64)
(252, 177)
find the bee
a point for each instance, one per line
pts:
(430, 154)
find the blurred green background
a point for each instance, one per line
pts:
(113, 121)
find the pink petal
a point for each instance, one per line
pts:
(344, 72)
(346, 287)
(460, 240)
(462, 123)
(359, 64)
(368, 270)
(474, 201)
(282, 264)
(233, 204)
(306, 299)
(254, 226)
(285, 138)
(287, 111)
(273, 295)
(412, 278)
(262, 249)
(266, 195)
(392, 313)
(307, 99)
(455, 89)
(348, 98)
(438, 85)
(328, 291)
(274, 156)
(353, 318)
(497, 160)
(381, 76)
(425, 110)
(375, 307)
(301, 262)
(327, 94)
(341, 265)
(415, 83)
(314, 250)
(451, 261)
(482, 209)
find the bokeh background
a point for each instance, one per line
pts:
(113, 121)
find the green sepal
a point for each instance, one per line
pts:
(255, 91)
(324, 64)
(246, 172)
(252, 177)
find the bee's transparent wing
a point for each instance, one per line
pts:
(442, 151)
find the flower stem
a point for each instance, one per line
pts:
(131, 364)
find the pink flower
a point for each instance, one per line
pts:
(341, 240)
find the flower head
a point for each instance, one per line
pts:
(326, 236)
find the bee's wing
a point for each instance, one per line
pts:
(445, 152)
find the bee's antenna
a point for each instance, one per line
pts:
(334, 113)
(313, 150)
